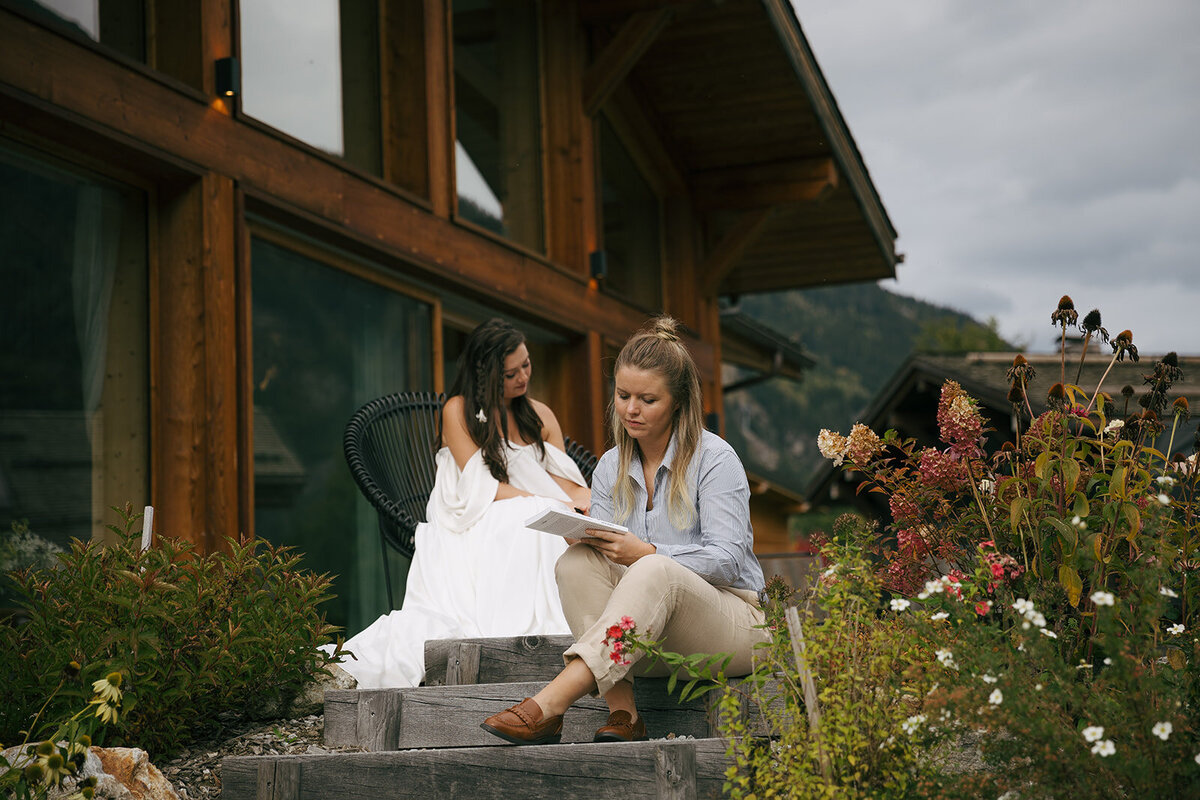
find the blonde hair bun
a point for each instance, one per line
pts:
(666, 328)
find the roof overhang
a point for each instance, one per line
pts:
(754, 137)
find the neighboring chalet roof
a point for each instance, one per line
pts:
(748, 122)
(908, 402)
(750, 344)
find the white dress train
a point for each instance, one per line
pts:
(477, 570)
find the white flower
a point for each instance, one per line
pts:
(990, 679)
(911, 724)
(1104, 749)
(1175, 629)
(1167, 592)
(1093, 733)
(479, 415)
(1049, 633)
(1165, 480)
(1037, 687)
(1114, 425)
(946, 659)
(1198, 758)
(899, 604)
(934, 587)
(1108, 662)
(1037, 619)
(1162, 498)
(1103, 598)
(833, 446)
(1078, 522)
(987, 487)
(829, 573)
(1022, 606)
(1162, 730)
(996, 697)
(940, 616)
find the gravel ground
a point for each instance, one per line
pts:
(196, 772)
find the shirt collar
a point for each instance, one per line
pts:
(635, 465)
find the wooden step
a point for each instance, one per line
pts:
(689, 768)
(497, 660)
(449, 716)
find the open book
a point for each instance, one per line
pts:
(570, 524)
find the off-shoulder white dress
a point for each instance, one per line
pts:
(477, 570)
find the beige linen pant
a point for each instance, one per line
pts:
(666, 600)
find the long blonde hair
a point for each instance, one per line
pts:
(657, 348)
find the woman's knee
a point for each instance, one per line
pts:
(653, 569)
(576, 561)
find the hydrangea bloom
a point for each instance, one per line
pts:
(833, 446)
(862, 444)
(960, 424)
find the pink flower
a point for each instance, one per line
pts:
(615, 656)
(983, 607)
(614, 634)
(997, 569)
(627, 623)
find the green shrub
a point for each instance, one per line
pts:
(203, 640)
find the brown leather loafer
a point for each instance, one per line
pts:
(523, 724)
(621, 728)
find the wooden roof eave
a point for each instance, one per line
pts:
(845, 152)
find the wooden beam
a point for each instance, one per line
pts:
(724, 257)
(597, 12)
(619, 56)
(194, 378)
(763, 185)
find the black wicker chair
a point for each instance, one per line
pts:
(389, 445)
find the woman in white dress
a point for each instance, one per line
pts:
(477, 570)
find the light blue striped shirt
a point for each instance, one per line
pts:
(718, 544)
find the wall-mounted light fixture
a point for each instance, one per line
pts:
(229, 77)
(598, 264)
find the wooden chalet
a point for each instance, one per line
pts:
(908, 404)
(228, 223)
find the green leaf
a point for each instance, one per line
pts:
(1040, 464)
(1017, 510)
(1133, 518)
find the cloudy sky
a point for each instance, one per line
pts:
(1027, 149)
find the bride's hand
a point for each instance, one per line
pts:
(581, 498)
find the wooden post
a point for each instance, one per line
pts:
(810, 687)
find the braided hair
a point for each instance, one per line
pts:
(480, 382)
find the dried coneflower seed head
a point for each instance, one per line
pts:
(1127, 390)
(1065, 314)
(1007, 447)
(1123, 344)
(1021, 370)
(1181, 409)
(1057, 396)
(1016, 395)
(1091, 324)
(1171, 359)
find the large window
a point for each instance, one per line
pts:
(120, 24)
(325, 342)
(498, 152)
(73, 364)
(311, 69)
(631, 224)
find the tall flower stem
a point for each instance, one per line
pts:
(1078, 372)
(1092, 402)
(1171, 441)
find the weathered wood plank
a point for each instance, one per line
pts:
(501, 660)
(629, 770)
(675, 772)
(449, 716)
(462, 664)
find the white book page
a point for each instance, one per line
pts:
(569, 524)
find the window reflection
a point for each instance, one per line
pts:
(325, 342)
(311, 69)
(120, 24)
(498, 164)
(73, 368)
